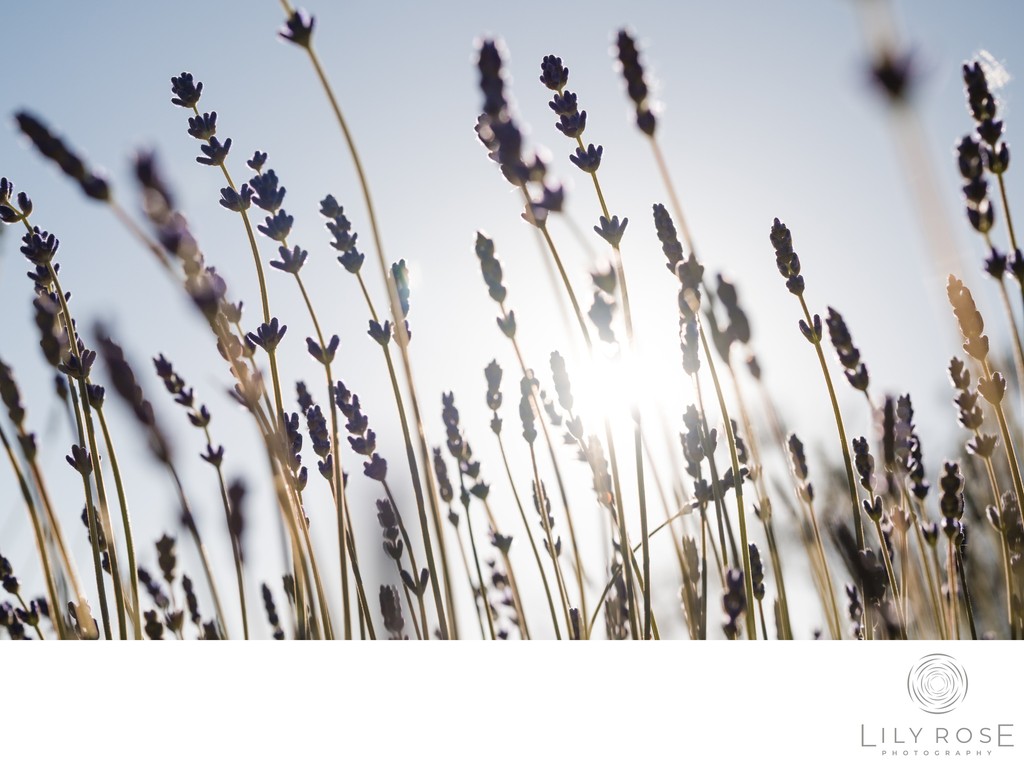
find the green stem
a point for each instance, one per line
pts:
(235, 549)
(542, 509)
(638, 456)
(339, 493)
(126, 522)
(37, 529)
(858, 523)
(1011, 453)
(485, 604)
(402, 336)
(412, 558)
(967, 595)
(834, 620)
(891, 574)
(469, 578)
(93, 525)
(737, 484)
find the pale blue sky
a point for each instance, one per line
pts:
(766, 112)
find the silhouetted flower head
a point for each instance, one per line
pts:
(666, 230)
(553, 74)
(969, 319)
(734, 601)
(203, 126)
(376, 468)
(391, 611)
(739, 326)
(400, 275)
(756, 572)
(298, 28)
(239, 201)
(53, 147)
(588, 160)
(291, 261)
(277, 226)
(490, 265)
(895, 74)
(323, 355)
(268, 335)
(214, 152)
(951, 483)
(636, 85)
(186, 90)
(450, 417)
(493, 374)
(268, 194)
(444, 485)
(492, 82)
(849, 356)
(786, 258)
(612, 231)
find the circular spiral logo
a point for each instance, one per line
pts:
(937, 683)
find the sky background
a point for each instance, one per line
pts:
(765, 111)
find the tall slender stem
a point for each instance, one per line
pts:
(529, 535)
(402, 338)
(40, 536)
(339, 489)
(126, 523)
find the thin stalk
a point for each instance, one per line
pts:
(93, 525)
(703, 634)
(403, 338)
(891, 574)
(410, 454)
(835, 621)
(997, 500)
(737, 484)
(412, 559)
(851, 481)
(638, 454)
(288, 501)
(1006, 211)
(339, 494)
(51, 517)
(677, 209)
(618, 568)
(953, 607)
(469, 579)
(204, 559)
(934, 594)
(766, 508)
(517, 601)
(40, 536)
(577, 562)
(1018, 350)
(235, 550)
(1011, 454)
(529, 535)
(612, 453)
(716, 488)
(126, 523)
(89, 433)
(945, 603)
(485, 604)
(542, 509)
(967, 595)
(1008, 577)
(264, 295)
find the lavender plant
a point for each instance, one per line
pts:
(945, 564)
